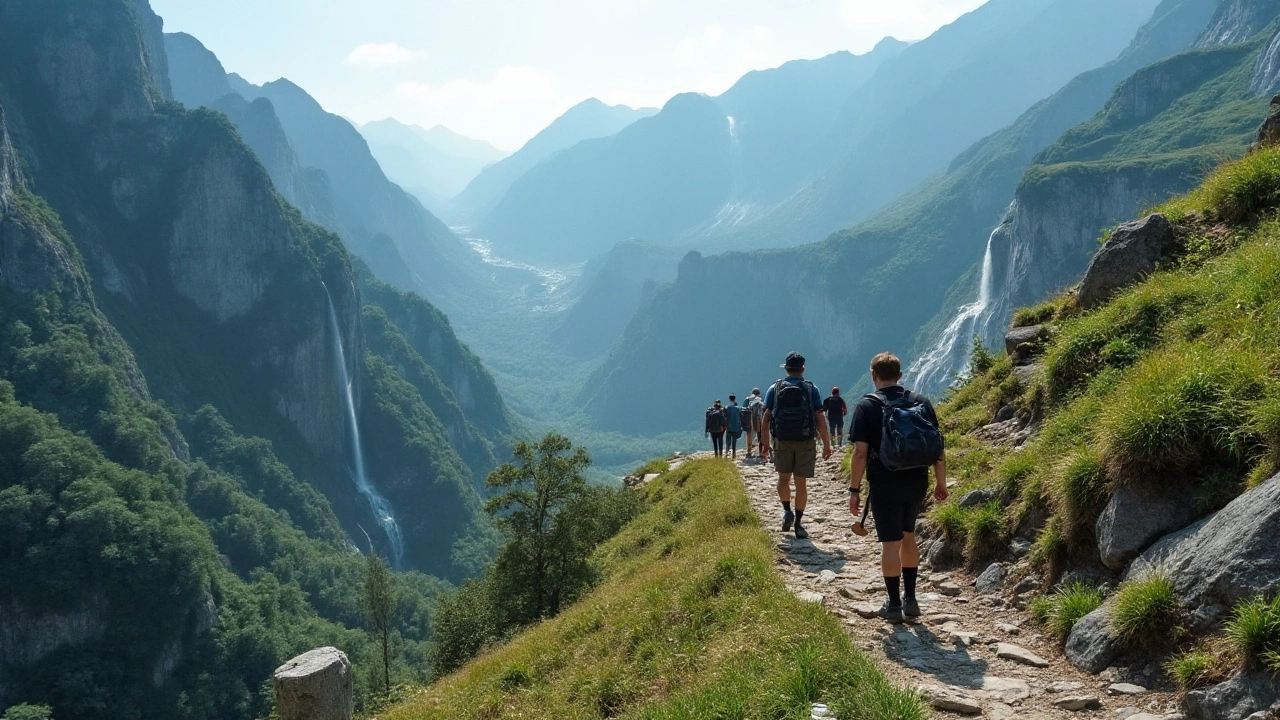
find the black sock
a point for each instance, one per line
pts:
(909, 582)
(786, 505)
(891, 584)
(799, 514)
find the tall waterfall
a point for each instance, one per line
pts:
(935, 369)
(380, 506)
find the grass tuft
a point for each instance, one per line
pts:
(1191, 669)
(1254, 631)
(1061, 610)
(1082, 489)
(1145, 608)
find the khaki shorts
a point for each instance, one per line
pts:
(797, 457)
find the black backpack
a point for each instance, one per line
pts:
(715, 420)
(909, 439)
(791, 417)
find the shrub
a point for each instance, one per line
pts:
(1049, 548)
(984, 527)
(1145, 608)
(1241, 189)
(950, 518)
(1190, 669)
(1015, 469)
(981, 358)
(1037, 314)
(1254, 630)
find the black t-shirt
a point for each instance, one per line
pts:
(868, 424)
(835, 408)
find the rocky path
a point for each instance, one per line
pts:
(969, 655)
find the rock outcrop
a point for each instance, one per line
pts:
(1229, 556)
(1134, 251)
(1246, 693)
(1136, 516)
(1269, 132)
(315, 685)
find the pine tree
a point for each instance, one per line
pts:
(379, 607)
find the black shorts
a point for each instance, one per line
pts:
(896, 505)
(836, 427)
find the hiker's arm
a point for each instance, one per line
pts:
(764, 431)
(820, 420)
(940, 477)
(857, 468)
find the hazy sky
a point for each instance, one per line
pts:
(502, 69)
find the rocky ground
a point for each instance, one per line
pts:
(970, 654)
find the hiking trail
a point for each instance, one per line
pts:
(969, 655)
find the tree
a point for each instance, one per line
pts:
(534, 567)
(23, 711)
(379, 602)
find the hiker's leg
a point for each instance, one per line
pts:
(802, 493)
(784, 489)
(910, 561)
(891, 568)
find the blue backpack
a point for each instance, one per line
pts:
(909, 439)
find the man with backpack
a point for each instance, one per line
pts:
(793, 419)
(716, 425)
(896, 440)
(752, 415)
(735, 416)
(835, 409)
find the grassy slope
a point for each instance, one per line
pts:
(1176, 381)
(691, 622)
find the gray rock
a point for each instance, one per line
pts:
(1127, 712)
(949, 589)
(1269, 133)
(1010, 690)
(1065, 686)
(950, 699)
(1077, 702)
(1020, 335)
(943, 552)
(1005, 414)
(1227, 557)
(974, 498)
(315, 685)
(1008, 628)
(1132, 253)
(991, 580)
(1241, 696)
(1092, 644)
(1009, 651)
(1125, 689)
(810, 597)
(1136, 516)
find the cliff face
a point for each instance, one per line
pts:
(1236, 21)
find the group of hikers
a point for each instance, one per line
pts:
(896, 439)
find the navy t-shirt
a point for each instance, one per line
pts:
(868, 424)
(815, 399)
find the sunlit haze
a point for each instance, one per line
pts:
(501, 70)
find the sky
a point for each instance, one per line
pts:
(501, 70)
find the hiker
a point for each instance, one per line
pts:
(836, 409)
(896, 438)
(716, 424)
(792, 420)
(753, 414)
(735, 416)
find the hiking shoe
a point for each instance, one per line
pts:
(801, 533)
(910, 607)
(788, 517)
(891, 612)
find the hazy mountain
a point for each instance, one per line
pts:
(434, 164)
(587, 120)
(854, 303)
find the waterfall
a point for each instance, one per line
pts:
(379, 505)
(934, 370)
(735, 159)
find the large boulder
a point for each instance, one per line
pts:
(1133, 252)
(1243, 695)
(1229, 556)
(1136, 516)
(1021, 335)
(316, 685)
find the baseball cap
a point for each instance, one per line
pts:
(795, 361)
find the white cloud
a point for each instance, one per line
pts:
(488, 106)
(379, 55)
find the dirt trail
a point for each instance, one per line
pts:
(953, 653)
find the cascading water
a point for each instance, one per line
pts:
(380, 506)
(935, 370)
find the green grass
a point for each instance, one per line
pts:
(690, 622)
(1038, 314)
(1061, 610)
(652, 467)
(1082, 489)
(1254, 631)
(1190, 669)
(1145, 609)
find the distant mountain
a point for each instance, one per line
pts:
(587, 120)
(932, 238)
(434, 164)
